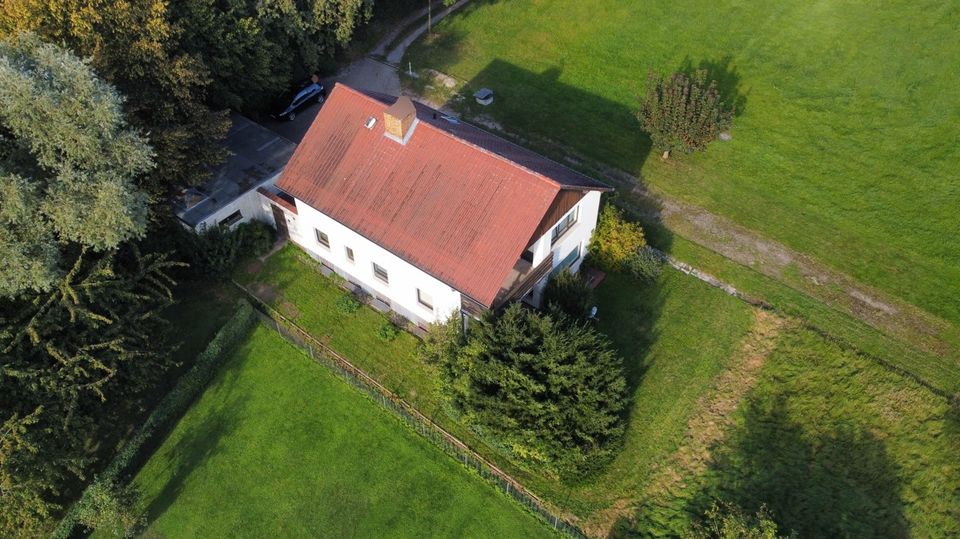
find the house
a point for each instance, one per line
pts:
(256, 156)
(427, 214)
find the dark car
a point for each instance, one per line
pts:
(312, 91)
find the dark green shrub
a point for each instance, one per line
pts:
(388, 331)
(256, 238)
(110, 509)
(646, 265)
(215, 251)
(547, 391)
(443, 341)
(348, 304)
(569, 292)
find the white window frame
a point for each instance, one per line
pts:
(323, 239)
(386, 274)
(348, 252)
(426, 303)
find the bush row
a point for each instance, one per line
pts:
(136, 450)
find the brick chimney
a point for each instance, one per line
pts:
(400, 120)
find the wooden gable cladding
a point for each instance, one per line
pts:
(565, 199)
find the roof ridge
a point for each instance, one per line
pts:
(481, 148)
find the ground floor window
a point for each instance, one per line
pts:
(232, 219)
(349, 254)
(322, 238)
(381, 273)
(424, 299)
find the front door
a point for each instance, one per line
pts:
(280, 218)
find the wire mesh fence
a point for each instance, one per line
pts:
(424, 426)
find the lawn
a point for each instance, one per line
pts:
(675, 335)
(845, 143)
(835, 446)
(280, 446)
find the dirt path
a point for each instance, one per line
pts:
(708, 425)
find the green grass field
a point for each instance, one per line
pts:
(845, 145)
(674, 335)
(835, 446)
(278, 446)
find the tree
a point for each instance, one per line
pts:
(683, 112)
(615, 240)
(256, 49)
(134, 46)
(548, 391)
(67, 164)
(98, 334)
(569, 292)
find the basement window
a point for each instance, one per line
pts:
(322, 238)
(381, 273)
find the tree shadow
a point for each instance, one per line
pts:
(201, 440)
(836, 483)
(727, 78)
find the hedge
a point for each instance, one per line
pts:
(137, 449)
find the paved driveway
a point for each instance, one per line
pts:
(364, 74)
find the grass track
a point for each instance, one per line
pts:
(279, 446)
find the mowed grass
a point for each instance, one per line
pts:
(279, 446)
(846, 141)
(675, 335)
(835, 446)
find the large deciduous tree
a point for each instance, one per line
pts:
(683, 112)
(134, 46)
(254, 49)
(549, 391)
(67, 164)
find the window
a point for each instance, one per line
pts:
(349, 254)
(568, 260)
(568, 221)
(381, 273)
(424, 299)
(322, 238)
(232, 219)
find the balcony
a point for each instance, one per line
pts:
(521, 280)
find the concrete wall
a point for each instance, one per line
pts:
(404, 278)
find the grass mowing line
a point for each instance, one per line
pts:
(292, 451)
(708, 426)
(405, 410)
(835, 446)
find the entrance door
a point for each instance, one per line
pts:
(280, 218)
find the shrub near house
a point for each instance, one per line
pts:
(548, 391)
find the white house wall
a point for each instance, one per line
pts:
(404, 278)
(577, 236)
(252, 205)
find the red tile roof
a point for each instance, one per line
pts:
(443, 202)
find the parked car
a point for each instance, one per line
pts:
(312, 91)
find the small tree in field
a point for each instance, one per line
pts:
(683, 112)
